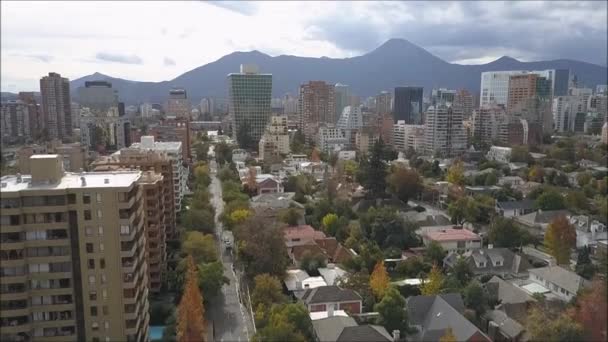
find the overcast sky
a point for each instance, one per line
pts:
(155, 41)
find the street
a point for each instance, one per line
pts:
(229, 317)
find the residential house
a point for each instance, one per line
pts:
(514, 208)
(332, 274)
(540, 219)
(268, 184)
(562, 283)
(297, 235)
(326, 298)
(499, 261)
(341, 328)
(481, 190)
(329, 247)
(500, 327)
(299, 280)
(512, 181)
(433, 315)
(462, 240)
(269, 206)
(511, 299)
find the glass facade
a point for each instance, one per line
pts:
(250, 96)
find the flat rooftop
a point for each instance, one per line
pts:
(170, 146)
(452, 235)
(71, 180)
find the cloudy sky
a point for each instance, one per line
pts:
(155, 41)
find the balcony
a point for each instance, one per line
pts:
(127, 249)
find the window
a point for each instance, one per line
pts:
(38, 268)
(92, 295)
(88, 231)
(86, 198)
(105, 310)
(102, 263)
(95, 326)
(98, 196)
(92, 280)
(87, 215)
(104, 294)
(91, 264)
(89, 247)
(93, 311)
(101, 246)
(124, 229)
(100, 230)
(103, 278)
(98, 213)
(106, 325)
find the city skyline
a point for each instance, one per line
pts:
(329, 29)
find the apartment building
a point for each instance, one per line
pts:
(173, 150)
(15, 122)
(444, 131)
(178, 104)
(74, 155)
(489, 123)
(73, 256)
(177, 129)
(317, 104)
(147, 160)
(275, 140)
(56, 105)
(331, 139)
(407, 137)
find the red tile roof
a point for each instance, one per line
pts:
(452, 235)
(302, 232)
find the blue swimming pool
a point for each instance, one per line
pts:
(156, 332)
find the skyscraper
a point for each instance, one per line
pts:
(384, 103)
(56, 105)
(408, 105)
(178, 104)
(442, 95)
(15, 121)
(495, 84)
(73, 251)
(444, 132)
(98, 96)
(488, 121)
(464, 100)
(317, 107)
(249, 96)
(343, 98)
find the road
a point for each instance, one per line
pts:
(230, 318)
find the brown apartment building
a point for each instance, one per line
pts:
(75, 155)
(317, 106)
(73, 255)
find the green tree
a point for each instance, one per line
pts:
(550, 200)
(223, 153)
(462, 272)
(374, 180)
(384, 226)
(434, 253)
(577, 200)
(199, 220)
(520, 154)
(560, 238)
(391, 311)
(584, 267)
(505, 233)
(310, 262)
(475, 298)
(350, 168)
(201, 246)
(261, 248)
(267, 290)
(463, 210)
(330, 223)
(405, 183)
(554, 327)
(291, 216)
(491, 179)
(211, 278)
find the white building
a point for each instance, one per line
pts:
(499, 154)
(490, 123)
(562, 283)
(408, 136)
(173, 150)
(331, 139)
(444, 131)
(275, 140)
(565, 110)
(350, 121)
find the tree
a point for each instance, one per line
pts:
(560, 238)
(350, 168)
(239, 216)
(223, 153)
(310, 262)
(412, 267)
(199, 220)
(584, 267)
(434, 283)
(550, 200)
(462, 272)
(520, 154)
(463, 210)
(536, 174)
(448, 336)
(200, 246)
(505, 233)
(391, 311)
(359, 282)
(491, 179)
(590, 311)
(434, 253)
(315, 156)
(190, 312)
(291, 216)
(475, 298)
(583, 178)
(261, 248)
(455, 173)
(374, 179)
(577, 200)
(384, 226)
(211, 278)
(252, 184)
(379, 280)
(555, 327)
(288, 322)
(405, 183)
(330, 222)
(267, 290)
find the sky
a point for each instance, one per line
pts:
(159, 40)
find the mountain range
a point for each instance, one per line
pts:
(397, 62)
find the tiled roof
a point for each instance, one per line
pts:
(452, 235)
(326, 294)
(364, 333)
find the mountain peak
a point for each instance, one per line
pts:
(506, 59)
(396, 43)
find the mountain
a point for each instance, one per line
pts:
(396, 62)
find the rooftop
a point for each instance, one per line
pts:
(452, 235)
(561, 277)
(71, 180)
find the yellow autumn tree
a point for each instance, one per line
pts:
(379, 280)
(560, 238)
(432, 285)
(190, 312)
(448, 336)
(455, 173)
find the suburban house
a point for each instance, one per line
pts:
(481, 190)
(299, 280)
(268, 184)
(332, 274)
(512, 181)
(297, 235)
(498, 261)
(326, 298)
(329, 247)
(514, 208)
(461, 240)
(269, 206)
(500, 327)
(562, 283)
(540, 219)
(511, 299)
(433, 315)
(342, 328)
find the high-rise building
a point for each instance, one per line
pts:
(488, 121)
(342, 99)
(74, 155)
(565, 110)
(98, 96)
(444, 132)
(15, 122)
(495, 84)
(174, 129)
(35, 114)
(275, 141)
(330, 138)
(442, 95)
(250, 93)
(407, 137)
(73, 251)
(56, 105)
(317, 107)
(365, 138)
(605, 133)
(408, 105)
(178, 104)
(464, 100)
(350, 122)
(384, 103)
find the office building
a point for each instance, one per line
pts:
(73, 256)
(98, 96)
(74, 155)
(178, 104)
(249, 96)
(464, 100)
(520, 132)
(147, 160)
(173, 150)
(408, 105)
(488, 121)
(342, 99)
(317, 107)
(565, 110)
(444, 133)
(442, 95)
(384, 103)
(56, 106)
(495, 84)
(275, 141)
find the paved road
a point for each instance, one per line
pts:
(230, 318)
